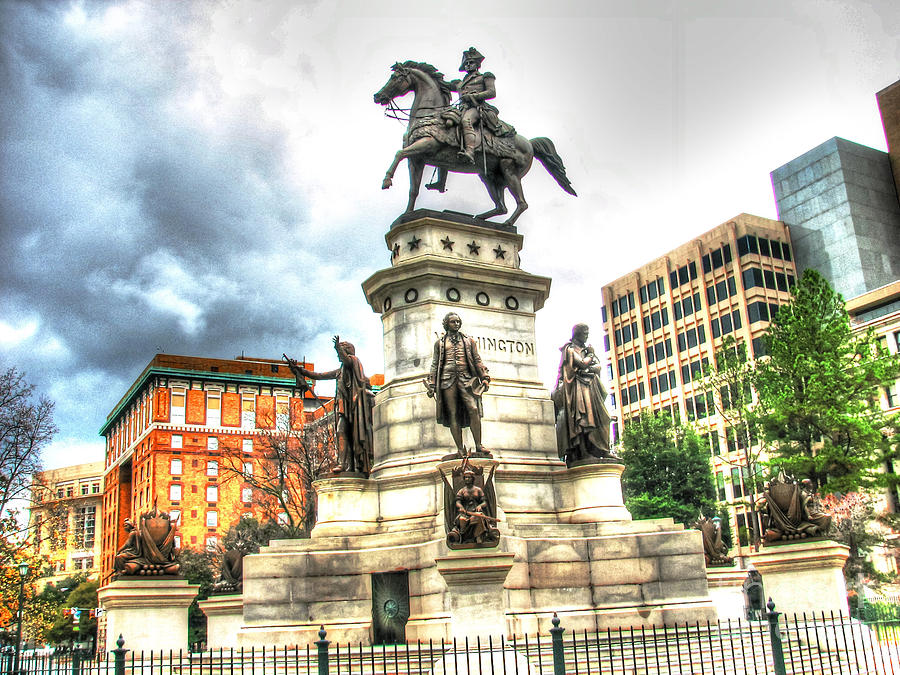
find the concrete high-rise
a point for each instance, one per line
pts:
(665, 320)
(840, 200)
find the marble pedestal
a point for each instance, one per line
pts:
(224, 614)
(345, 506)
(474, 579)
(597, 493)
(726, 589)
(804, 576)
(151, 613)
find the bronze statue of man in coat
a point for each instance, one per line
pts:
(458, 379)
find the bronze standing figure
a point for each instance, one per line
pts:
(466, 138)
(582, 420)
(458, 379)
(353, 403)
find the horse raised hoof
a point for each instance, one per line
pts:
(386, 183)
(436, 186)
(467, 156)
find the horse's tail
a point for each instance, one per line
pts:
(545, 152)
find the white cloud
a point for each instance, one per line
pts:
(13, 336)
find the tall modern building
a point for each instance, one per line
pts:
(65, 519)
(840, 201)
(167, 437)
(665, 320)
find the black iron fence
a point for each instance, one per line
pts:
(821, 644)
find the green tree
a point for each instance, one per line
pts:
(250, 530)
(667, 470)
(80, 593)
(818, 391)
(198, 568)
(289, 460)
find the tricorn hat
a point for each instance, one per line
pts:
(470, 53)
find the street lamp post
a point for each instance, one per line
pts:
(23, 574)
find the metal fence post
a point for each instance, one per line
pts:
(76, 661)
(775, 638)
(6, 659)
(119, 655)
(559, 659)
(322, 644)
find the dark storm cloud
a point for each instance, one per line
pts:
(133, 221)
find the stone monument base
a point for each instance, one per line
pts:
(475, 579)
(594, 575)
(151, 613)
(726, 589)
(804, 576)
(224, 614)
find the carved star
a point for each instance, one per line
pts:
(414, 243)
(499, 252)
(473, 248)
(448, 245)
(396, 251)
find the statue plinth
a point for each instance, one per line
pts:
(347, 506)
(597, 493)
(804, 576)
(451, 262)
(475, 580)
(150, 612)
(224, 615)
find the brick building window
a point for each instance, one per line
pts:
(175, 492)
(178, 397)
(213, 408)
(212, 468)
(212, 493)
(177, 441)
(246, 495)
(175, 467)
(248, 445)
(212, 518)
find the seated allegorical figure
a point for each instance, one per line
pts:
(150, 547)
(470, 511)
(715, 551)
(791, 510)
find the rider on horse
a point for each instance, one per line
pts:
(474, 89)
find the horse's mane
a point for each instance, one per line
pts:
(435, 75)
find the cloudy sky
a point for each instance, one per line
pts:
(204, 178)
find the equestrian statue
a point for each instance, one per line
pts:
(466, 137)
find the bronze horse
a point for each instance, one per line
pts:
(431, 139)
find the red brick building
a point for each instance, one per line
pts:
(167, 437)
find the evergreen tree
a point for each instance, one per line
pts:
(819, 391)
(667, 470)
